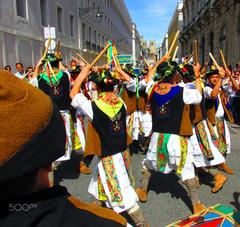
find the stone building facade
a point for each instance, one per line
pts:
(216, 25)
(22, 25)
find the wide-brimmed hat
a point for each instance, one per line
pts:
(212, 71)
(32, 132)
(187, 71)
(165, 70)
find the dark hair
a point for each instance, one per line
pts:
(104, 82)
(6, 67)
(18, 63)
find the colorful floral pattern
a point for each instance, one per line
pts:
(184, 150)
(203, 140)
(112, 180)
(162, 152)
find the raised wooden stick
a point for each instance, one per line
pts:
(213, 59)
(223, 59)
(115, 61)
(51, 70)
(172, 44)
(195, 56)
(100, 55)
(83, 59)
(78, 61)
(189, 57)
(175, 53)
(58, 47)
(146, 62)
(47, 47)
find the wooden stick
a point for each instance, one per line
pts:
(58, 47)
(50, 67)
(175, 53)
(145, 62)
(78, 61)
(154, 58)
(47, 47)
(223, 59)
(100, 55)
(83, 59)
(116, 63)
(195, 56)
(172, 44)
(189, 57)
(213, 59)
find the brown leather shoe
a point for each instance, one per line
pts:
(84, 169)
(198, 207)
(224, 167)
(220, 180)
(142, 195)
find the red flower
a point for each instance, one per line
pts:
(184, 70)
(161, 156)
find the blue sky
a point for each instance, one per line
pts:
(152, 17)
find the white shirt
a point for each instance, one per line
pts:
(207, 94)
(190, 96)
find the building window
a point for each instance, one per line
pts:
(103, 41)
(211, 41)
(90, 34)
(43, 11)
(202, 51)
(21, 8)
(71, 25)
(95, 37)
(60, 19)
(99, 39)
(83, 31)
(223, 39)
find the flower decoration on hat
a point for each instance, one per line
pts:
(165, 70)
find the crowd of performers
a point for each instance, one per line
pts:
(175, 113)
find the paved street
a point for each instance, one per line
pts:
(167, 200)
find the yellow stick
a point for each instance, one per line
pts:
(50, 67)
(223, 59)
(189, 57)
(78, 61)
(154, 58)
(46, 50)
(173, 43)
(146, 62)
(58, 47)
(175, 53)
(115, 61)
(195, 56)
(213, 59)
(83, 59)
(100, 55)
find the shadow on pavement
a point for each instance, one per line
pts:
(236, 203)
(169, 183)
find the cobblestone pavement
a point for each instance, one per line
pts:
(167, 197)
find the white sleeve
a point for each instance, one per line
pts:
(149, 86)
(131, 85)
(142, 85)
(207, 92)
(191, 96)
(80, 102)
(34, 82)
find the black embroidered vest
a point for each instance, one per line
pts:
(112, 132)
(167, 118)
(61, 98)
